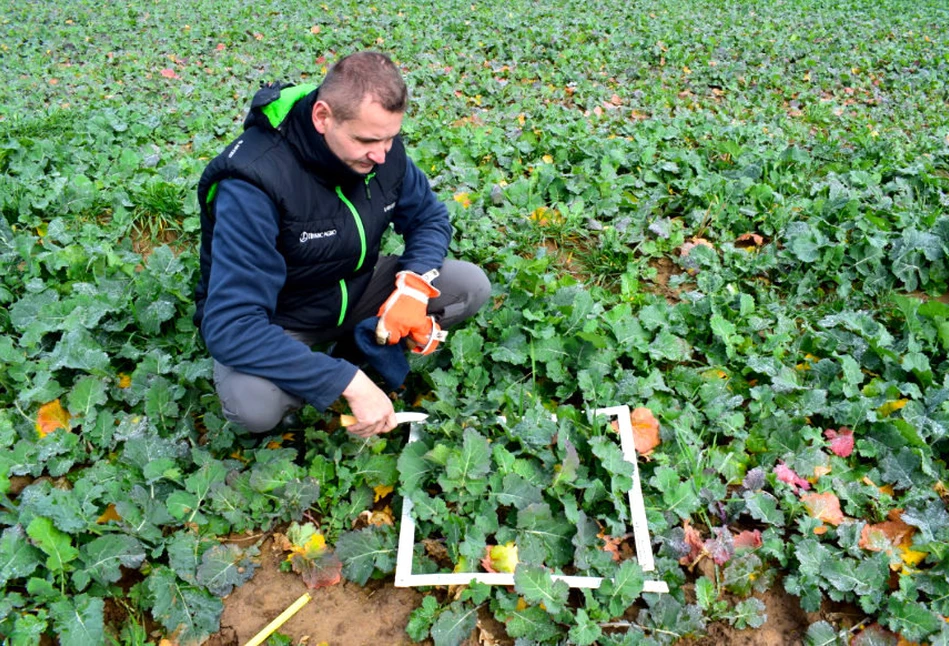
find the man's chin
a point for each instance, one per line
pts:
(363, 169)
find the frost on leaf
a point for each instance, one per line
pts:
(824, 507)
(50, 417)
(841, 441)
(785, 474)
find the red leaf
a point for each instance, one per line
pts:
(169, 73)
(841, 441)
(320, 572)
(749, 539)
(694, 540)
(786, 474)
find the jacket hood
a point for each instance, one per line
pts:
(311, 145)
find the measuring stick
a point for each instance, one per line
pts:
(281, 619)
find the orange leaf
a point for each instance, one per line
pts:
(689, 245)
(823, 506)
(645, 430)
(124, 380)
(749, 240)
(109, 514)
(50, 417)
(169, 73)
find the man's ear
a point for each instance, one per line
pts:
(322, 114)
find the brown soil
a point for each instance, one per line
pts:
(376, 614)
(785, 626)
(341, 615)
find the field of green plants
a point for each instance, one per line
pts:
(733, 216)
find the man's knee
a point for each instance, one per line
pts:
(254, 403)
(465, 288)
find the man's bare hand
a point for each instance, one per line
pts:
(370, 406)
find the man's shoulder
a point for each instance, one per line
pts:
(250, 146)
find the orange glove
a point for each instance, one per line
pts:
(404, 315)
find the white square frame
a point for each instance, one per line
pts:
(404, 578)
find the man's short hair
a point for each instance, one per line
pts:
(359, 75)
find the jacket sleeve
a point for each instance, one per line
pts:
(247, 274)
(422, 221)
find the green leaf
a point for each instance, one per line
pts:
(422, 618)
(764, 507)
(585, 631)
(533, 623)
(902, 469)
(910, 619)
(365, 550)
(18, 559)
(79, 621)
(748, 613)
(677, 496)
(543, 538)
(86, 396)
(623, 588)
(705, 594)
(823, 634)
(223, 567)
(535, 584)
(180, 606)
(54, 543)
(454, 625)
(465, 469)
(414, 468)
(519, 493)
(104, 557)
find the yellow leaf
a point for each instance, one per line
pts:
(317, 543)
(50, 417)
(109, 514)
(381, 492)
(464, 199)
(891, 406)
(124, 380)
(544, 216)
(912, 557)
(548, 159)
(500, 558)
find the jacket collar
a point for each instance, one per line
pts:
(311, 146)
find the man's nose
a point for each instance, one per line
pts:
(378, 153)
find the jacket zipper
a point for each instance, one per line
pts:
(369, 179)
(362, 249)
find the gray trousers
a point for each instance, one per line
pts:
(258, 405)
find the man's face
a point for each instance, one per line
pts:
(361, 142)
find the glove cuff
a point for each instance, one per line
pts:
(417, 286)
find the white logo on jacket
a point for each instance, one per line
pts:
(306, 236)
(388, 207)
